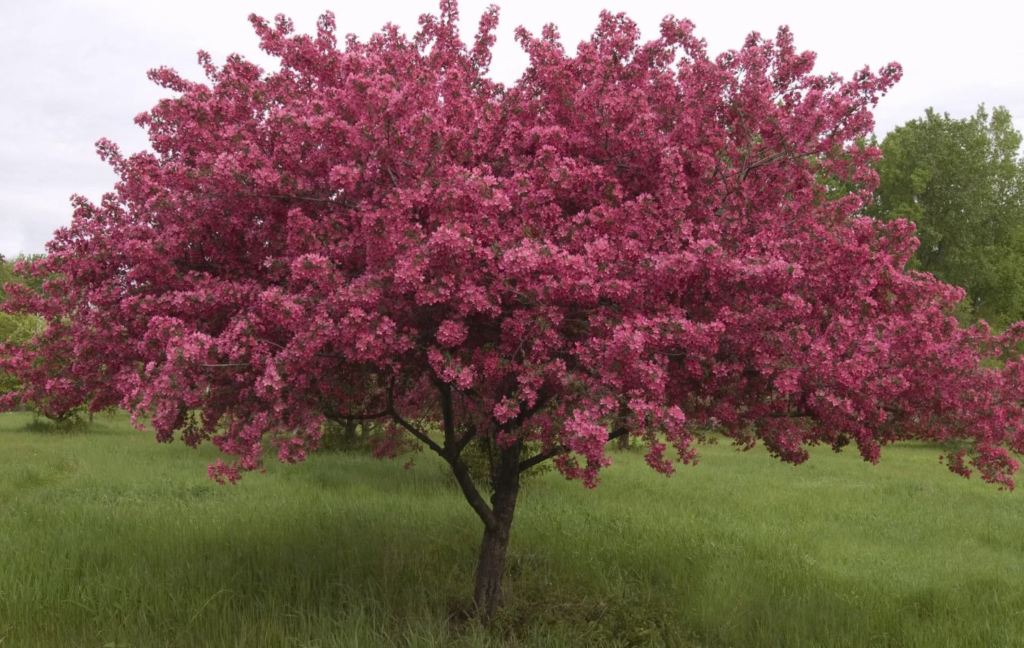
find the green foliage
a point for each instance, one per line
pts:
(16, 329)
(961, 182)
(7, 274)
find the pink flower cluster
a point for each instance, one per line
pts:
(637, 237)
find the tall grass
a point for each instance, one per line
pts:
(109, 539)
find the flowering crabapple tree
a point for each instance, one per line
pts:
(638, 239)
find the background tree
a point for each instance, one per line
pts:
(630, 240)
(65, 387)
(15, 329)
(961, 182)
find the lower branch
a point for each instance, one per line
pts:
(561, 449)
(452, 452)
(464, 440)
(339, 417)
(471, 493)
(416, 432)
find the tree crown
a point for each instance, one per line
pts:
(633, 239)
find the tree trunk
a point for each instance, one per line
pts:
(489, 593)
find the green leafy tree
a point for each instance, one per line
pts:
(960, 181)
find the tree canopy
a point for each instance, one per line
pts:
(962, 183)
(634, 239)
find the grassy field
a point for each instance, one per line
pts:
(108, 539)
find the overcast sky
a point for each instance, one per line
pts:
(73, 71)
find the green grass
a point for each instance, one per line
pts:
(110, 539)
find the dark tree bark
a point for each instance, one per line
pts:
(489, 593)
(621, 428)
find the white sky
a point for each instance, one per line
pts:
(72, 71)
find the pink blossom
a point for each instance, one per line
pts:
(452, 334)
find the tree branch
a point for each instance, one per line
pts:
(617, 433)
(416, 432)
(542, 400)
(541, 457)
(447, 417)
(451, 453)
(337, 417)
(244, 194)
(465, 439)
(412, 429)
